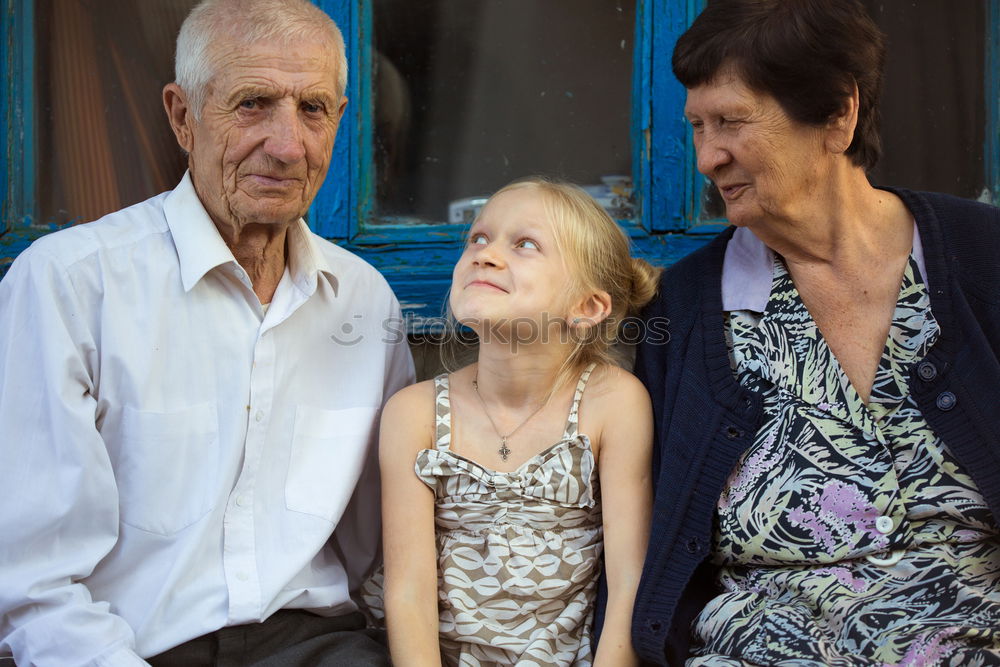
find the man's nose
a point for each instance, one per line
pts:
(711, 152)
(285, 134)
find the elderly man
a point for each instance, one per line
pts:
(187, 470)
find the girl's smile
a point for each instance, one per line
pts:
(485, 283)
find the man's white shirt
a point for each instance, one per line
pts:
(172, 458)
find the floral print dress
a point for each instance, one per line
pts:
(848, 534)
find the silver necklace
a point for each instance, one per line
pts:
(504, 450)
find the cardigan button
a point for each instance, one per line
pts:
(926, 371)
(693, 545)
(654, 626)
(733, 433)
(946, 400)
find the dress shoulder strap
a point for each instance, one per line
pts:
(573, 421)
(442, 413)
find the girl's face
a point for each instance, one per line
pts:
(511, 274)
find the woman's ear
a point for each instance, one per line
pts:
(591, 310)
(840, 128)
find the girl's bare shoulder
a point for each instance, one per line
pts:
(408, 418)
(613, 396)
(410, 397)
(615, 385)
(413, 405)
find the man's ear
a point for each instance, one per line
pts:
(840, 128)
(591, 310)
(343, 105)
(179, 114)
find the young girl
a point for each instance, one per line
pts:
(505, 481)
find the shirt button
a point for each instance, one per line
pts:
(884, 524)
(259, 416)
(946, 400)
(926, 371)
(242, 576)
(241, 501)
(890, 559)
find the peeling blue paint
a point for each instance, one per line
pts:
(333, 206)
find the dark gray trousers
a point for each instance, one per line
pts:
(289, 638)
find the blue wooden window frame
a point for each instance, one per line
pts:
(417, 259)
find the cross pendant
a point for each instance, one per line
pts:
(504, 450)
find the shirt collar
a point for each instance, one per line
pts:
(747, 271)
(200, 247)
(305, 260)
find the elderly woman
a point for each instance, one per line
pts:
(828, 407)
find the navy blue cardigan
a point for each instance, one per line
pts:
(704, 419)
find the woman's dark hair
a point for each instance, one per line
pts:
(807, 54)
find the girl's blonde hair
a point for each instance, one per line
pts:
(599, 258)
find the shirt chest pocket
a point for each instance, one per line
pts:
(167, 467)
(328, 454)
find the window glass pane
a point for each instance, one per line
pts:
(470, 94)
(933, 105)
(103, 138)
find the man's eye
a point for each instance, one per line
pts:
(312, 107)
(250, 103)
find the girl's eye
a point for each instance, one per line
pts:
(477, 239)
(527, 243)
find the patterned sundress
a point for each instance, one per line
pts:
(519, 553)
(847, 534)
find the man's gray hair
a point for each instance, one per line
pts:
(244, 22)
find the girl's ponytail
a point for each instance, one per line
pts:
(645, 284)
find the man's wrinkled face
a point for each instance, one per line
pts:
(263, 144)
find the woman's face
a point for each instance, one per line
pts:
(766, 166)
